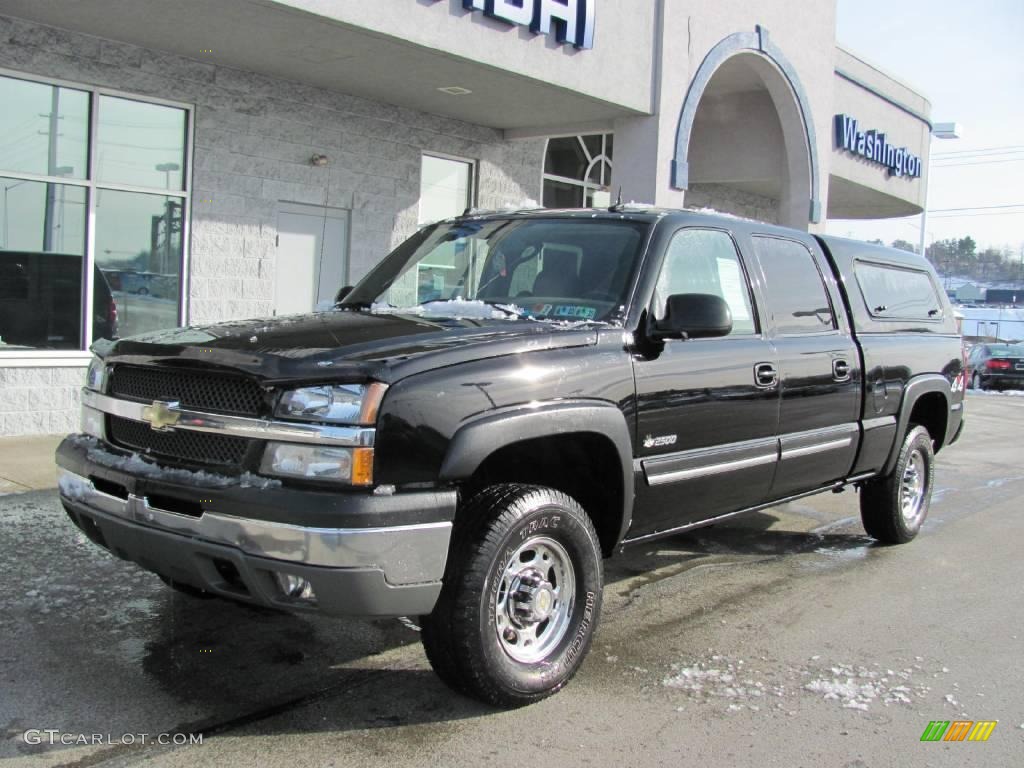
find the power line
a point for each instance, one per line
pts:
(977, 162)
(979, 149)
(980, 156)
(975, 208)
(968, 215)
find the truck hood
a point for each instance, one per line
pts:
(341, 343)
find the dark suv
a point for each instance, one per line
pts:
(41, 301)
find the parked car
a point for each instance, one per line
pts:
(582, 381)
(996, 366)
(41, 301)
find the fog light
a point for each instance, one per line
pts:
(346, 465)
(92, 422)
(294, 587)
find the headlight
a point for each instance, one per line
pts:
(337, 403)
(353, 466)
(96, 376)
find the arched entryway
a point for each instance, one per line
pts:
(746, 142)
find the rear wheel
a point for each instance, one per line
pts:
(976, 381)
(521, 596)
(894, 507)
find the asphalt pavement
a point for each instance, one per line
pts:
(784, 638)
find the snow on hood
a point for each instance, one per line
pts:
(458, 309)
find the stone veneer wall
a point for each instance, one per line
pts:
(254, 136)
(728, 199)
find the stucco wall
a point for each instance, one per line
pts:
(866, 100)
(253, 140)
(737, 137)
(690, 29)
(616, 70)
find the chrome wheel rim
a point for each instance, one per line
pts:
(535, 600)
(913, 488)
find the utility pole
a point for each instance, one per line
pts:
(51, 169)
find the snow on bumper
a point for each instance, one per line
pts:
(386, 571)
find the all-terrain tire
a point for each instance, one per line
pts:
(894, 507)
(521, 597)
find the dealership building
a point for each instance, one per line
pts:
(165, 164)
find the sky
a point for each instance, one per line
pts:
(967, 59)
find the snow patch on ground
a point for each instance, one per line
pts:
(741, 685)
(997, 392)
(725, 680)
(861, 687)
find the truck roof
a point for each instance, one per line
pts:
(636, 212)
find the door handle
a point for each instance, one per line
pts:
(840, 370)
(766, 375)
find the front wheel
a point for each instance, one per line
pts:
(894, 507)
(521, 596)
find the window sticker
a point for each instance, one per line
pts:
(574, 311)
(734, 290)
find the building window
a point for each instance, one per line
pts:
(446, 188)
(94, 194)
(578, 171)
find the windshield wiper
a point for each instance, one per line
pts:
(510, 309)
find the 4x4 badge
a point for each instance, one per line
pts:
(160, 415)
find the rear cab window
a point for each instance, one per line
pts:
(798, 301)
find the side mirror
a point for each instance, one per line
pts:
(693, 316)
(342, 293)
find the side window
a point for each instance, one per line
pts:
(891, 292)
(706, 261)
(797, 299)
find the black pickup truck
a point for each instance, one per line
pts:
(504, 401)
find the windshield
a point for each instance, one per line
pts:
(551, 269)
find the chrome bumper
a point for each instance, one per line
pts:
(406, 555)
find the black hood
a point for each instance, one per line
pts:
(357, 344)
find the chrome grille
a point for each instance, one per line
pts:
(199, 390)
(179, 444)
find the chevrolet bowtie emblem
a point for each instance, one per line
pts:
(160, 415)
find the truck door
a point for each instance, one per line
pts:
(707, 409)
(819, 366)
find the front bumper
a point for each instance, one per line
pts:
(393, 569)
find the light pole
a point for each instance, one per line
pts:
(165, 257)
(167, 168)
(939, 131)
